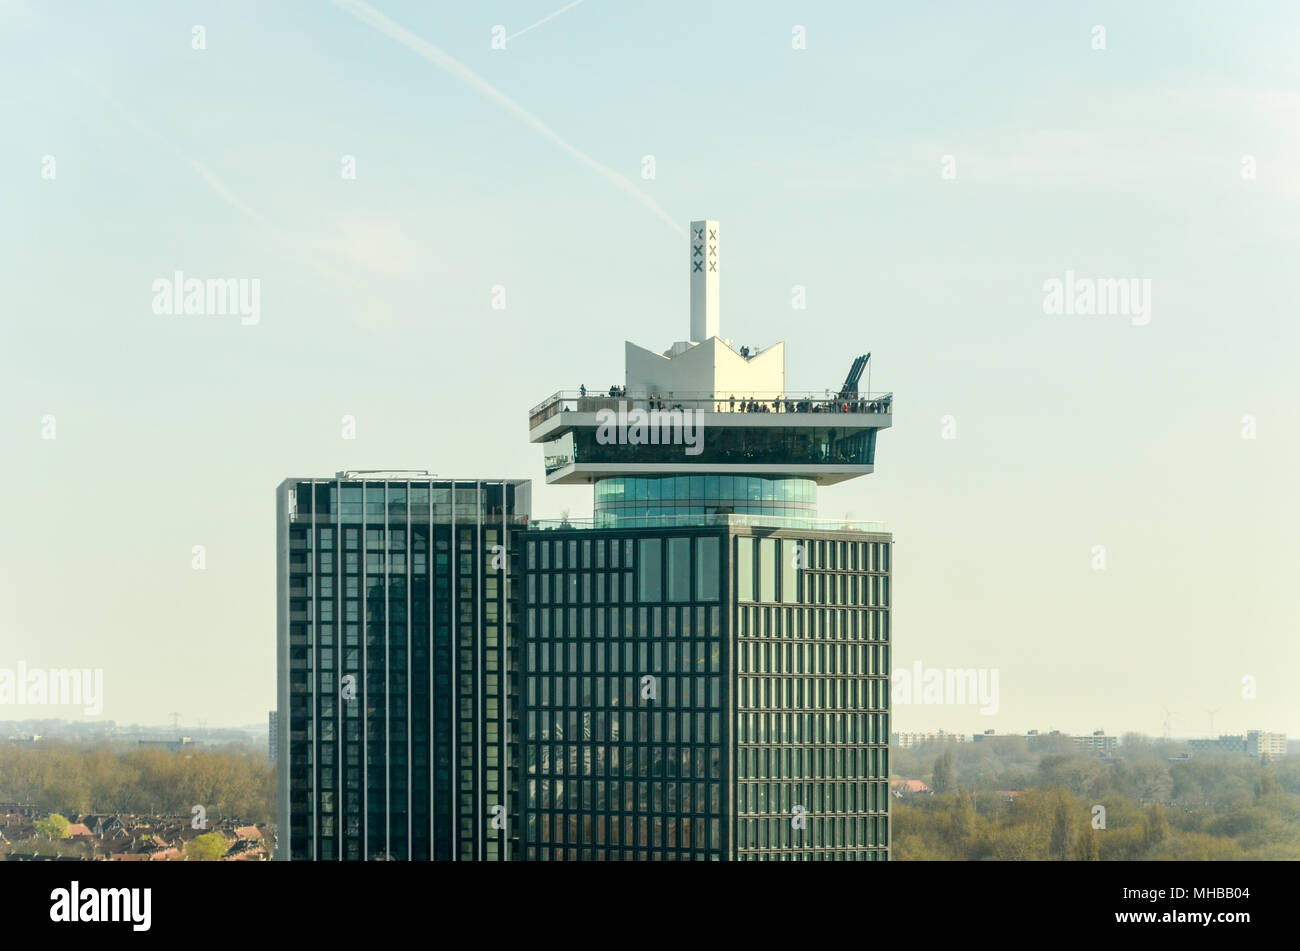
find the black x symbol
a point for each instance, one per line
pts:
(699, 232)
(713, 265)
(699, 248)
(699, 266)
(713, 235)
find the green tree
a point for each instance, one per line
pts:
(945, 773)
(1155, 828)
(55, 827)
(964, 821)
(1062, 830)
(207, 847)
(1267, 785)
(1086, 847)
(1075, 772)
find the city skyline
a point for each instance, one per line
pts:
(1071, 431)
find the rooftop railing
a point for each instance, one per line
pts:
(417, 513)
(577, 401)
(730, 520)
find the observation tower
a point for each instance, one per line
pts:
(707, 432)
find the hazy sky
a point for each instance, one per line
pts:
(523, 167)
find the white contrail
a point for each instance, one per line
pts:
(294, 245)
(549, 16)
(369, 15)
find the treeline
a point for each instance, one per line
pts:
(72, 778)
(1054, 824)
(1210, 807)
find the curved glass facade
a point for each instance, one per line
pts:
(806, 445)
(667, 500)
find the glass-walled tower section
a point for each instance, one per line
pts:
(395, 637)
(812, 660)
(668, 500)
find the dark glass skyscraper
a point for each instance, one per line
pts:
(705, 693)
(705, 665)
(395, 621)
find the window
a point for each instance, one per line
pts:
(650, 569)
(744, 569)
(707, 569)
(767, 569)
(679, 569)
(350, 500)
(791, 550)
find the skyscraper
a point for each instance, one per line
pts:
(705, 666)
(394, 669)
(699, 671)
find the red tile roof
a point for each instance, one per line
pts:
(911, 785)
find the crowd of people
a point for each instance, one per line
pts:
(780, 404)
(784, 405)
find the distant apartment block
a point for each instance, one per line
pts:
(1257, 743)
(1036, 740)
(905, 741)
(1266, 745)
(1098, 743)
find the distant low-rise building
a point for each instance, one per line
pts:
(171, 746)
(906, 741)
(1098, 743)
(909, 787)
(1257, 743)
(1056, 741)
(1266, 745)
(1052, 742)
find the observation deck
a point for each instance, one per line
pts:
(707, 432)
(827, 438)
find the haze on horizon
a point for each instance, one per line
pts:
(478, 168)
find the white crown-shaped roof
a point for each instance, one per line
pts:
(708, 368)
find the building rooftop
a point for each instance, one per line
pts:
(706, 407)
(719, 520)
